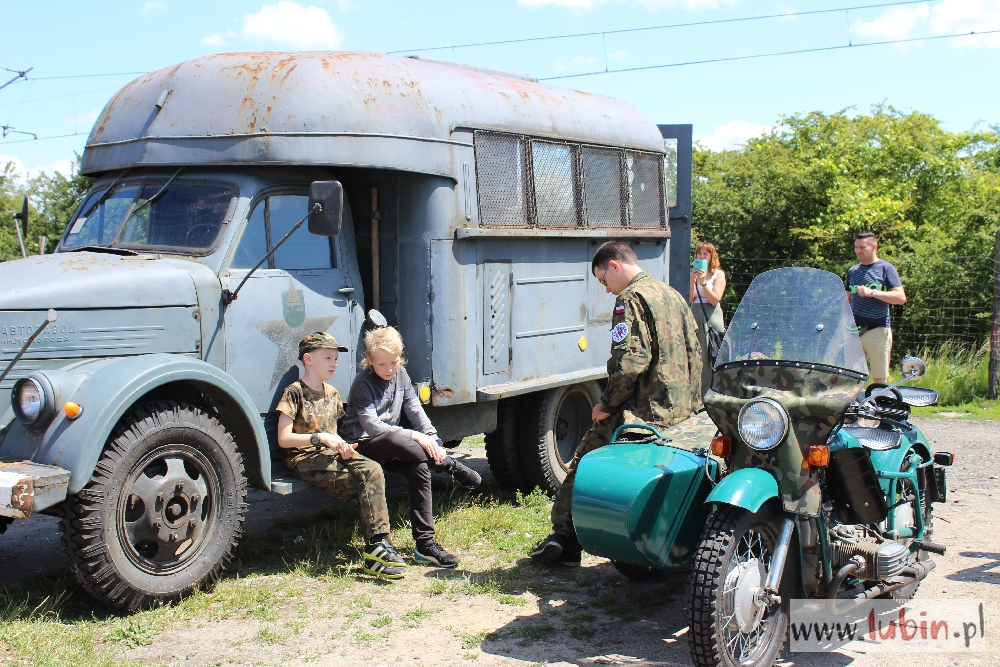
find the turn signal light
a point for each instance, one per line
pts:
(722, 445)
(72, 410)
(819, 456)
(424, 393)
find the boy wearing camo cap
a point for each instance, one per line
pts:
(307, 431)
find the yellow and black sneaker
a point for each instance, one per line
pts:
(382, 560)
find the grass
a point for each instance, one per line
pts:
(957, 374)
(280, 581)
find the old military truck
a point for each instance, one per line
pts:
(468, 205)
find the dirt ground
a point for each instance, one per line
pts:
(585, 616)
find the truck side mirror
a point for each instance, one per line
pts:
(326, 220)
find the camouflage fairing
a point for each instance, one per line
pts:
(815, 399)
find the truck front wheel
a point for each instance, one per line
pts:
(163, 510)
(551, 425)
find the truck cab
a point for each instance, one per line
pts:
(472, 202)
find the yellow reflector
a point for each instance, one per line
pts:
(583, 343)
(425, 393)
(73, 410)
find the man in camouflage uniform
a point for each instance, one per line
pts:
(307, 432)
(654, 375)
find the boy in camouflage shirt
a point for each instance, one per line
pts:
(307, 431)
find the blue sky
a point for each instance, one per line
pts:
(952, 79)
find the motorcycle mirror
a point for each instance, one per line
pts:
(912, 366)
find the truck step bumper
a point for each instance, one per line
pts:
(27, 487)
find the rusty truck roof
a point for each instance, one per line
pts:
(340, 108)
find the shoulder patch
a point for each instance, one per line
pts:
(619, 332)
(620, 309)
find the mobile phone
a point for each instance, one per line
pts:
(700, 265)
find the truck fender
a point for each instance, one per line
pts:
(106, 389)
(748, 488)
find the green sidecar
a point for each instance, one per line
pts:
(795, 482)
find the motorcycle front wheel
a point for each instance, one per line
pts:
(728, 627)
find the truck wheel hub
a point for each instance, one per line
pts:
(163, 515)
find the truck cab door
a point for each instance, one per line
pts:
(306, 286)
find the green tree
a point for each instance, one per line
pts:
(52, 199)
(800, 193)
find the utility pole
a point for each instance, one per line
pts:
(994, 379)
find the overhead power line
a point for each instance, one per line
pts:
(666, 26)
(838, 47)
(86, 76)
(20, 75)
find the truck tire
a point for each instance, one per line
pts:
(550, 426)
(163, 510)
(502, 449)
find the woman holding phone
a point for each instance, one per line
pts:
(708, 284)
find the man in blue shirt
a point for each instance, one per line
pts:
(872, 286)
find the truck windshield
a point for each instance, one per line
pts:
(186, 218)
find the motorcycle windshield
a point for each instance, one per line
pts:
(795, 314)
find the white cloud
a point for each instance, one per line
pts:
(945, 17)
(151, 6)
(216, 40)
(576, 62)
(290, 23)
(732, 135)
(87, 118)
(23, 172)
(896, 23)
(652, 5)
(570, 4)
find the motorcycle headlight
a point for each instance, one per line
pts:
(763, 424)
(33, 400)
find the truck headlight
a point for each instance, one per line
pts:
(763, 424)
(33, 400)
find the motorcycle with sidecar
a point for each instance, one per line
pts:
(795, 482)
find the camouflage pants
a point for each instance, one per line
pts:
(357, 480)
(599, 435)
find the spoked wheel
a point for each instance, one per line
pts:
(163, 510)
(730, 624)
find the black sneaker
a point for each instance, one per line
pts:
(383, 552)
(383, 571)
(382, 560)
(571, 555)
(549, 550)
(432, 553)
(463, 474)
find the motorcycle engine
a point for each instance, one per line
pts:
(883, 559)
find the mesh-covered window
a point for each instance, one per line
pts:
(645, 195)
(602, 187)
(552, 168)
(525, 182)
(501, 174)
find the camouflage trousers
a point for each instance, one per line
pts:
(599, 435)
(357, 480)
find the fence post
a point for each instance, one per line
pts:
(994, 379)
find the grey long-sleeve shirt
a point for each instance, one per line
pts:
(375, 406)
